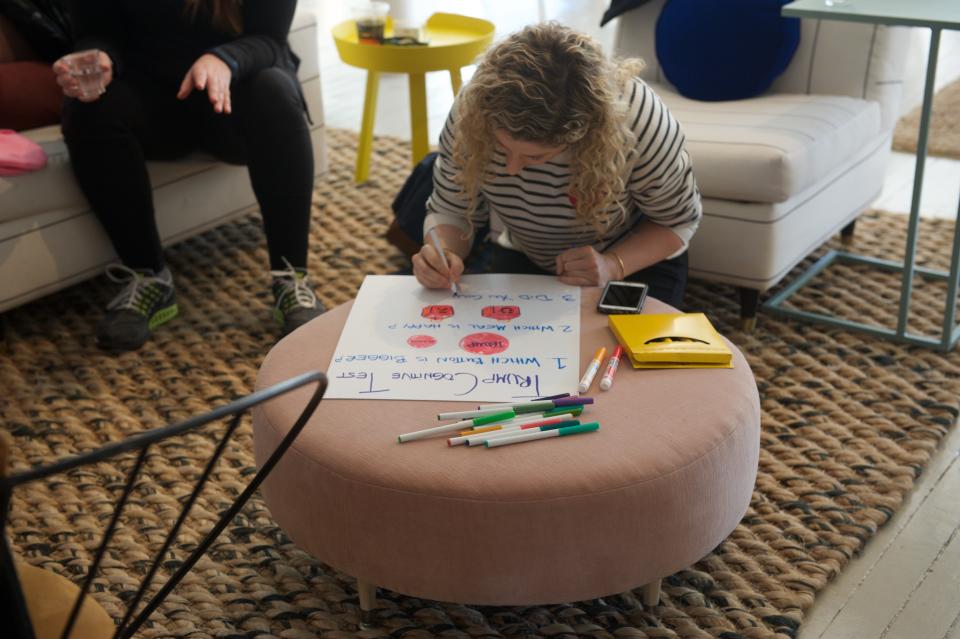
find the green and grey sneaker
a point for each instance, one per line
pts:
(296, 303)
(146, 301)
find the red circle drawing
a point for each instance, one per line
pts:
(421, 341)
(437, 312)
(484, 343)
(504, 313)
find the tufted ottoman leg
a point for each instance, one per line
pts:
(368, 601)
(651, 593)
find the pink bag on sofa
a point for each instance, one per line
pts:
(18, 155)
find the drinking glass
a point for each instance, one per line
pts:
(371, 20)
(85, 67)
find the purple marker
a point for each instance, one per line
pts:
(572, 401)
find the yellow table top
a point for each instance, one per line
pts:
(454, 42)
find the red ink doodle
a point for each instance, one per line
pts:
(505, 313)
(421, 341)
(484, 343)
(437, 311)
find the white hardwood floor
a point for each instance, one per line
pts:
(906, 583)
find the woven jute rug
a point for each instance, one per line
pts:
(944, 137)
(848, 424)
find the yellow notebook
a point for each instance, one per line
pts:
(675, 340)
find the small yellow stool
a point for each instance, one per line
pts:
(455, 41)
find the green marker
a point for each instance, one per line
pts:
(542, 434)
(564, 410)
(466, 423)
(532, 407)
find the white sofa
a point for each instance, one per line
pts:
(782, 172)
(49, 237)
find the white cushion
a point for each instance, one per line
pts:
(755, 244)
(769, 148)
(55, 189)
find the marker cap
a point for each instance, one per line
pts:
(572, 401)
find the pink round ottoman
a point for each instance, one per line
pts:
(665, 480)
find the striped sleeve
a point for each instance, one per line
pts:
(447, 205)
(661, 182)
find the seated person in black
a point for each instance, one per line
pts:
(180, 75)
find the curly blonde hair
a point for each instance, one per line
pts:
(549, 85)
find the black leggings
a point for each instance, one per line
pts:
(111, 138)
(667, 279)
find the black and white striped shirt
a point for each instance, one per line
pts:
(535, 205)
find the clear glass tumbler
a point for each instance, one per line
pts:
(85, 68)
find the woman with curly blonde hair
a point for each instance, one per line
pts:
(580, 161)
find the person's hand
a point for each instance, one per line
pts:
(429, 269)
(211, 74)
(583, 266)
(71, 86)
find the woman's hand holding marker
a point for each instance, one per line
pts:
(437, 267)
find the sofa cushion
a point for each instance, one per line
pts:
(54, 188)
(768, 148)
(726, 50)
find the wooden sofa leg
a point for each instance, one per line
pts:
(368, 601)
(651, 593)
(749, 300)
(846, 233)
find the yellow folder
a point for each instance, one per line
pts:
(673, 340)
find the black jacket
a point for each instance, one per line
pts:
(154, 38)
(44, 24)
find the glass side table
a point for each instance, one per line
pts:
(935, 15)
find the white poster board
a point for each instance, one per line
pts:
(505, 338)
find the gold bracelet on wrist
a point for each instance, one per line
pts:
(623, 269)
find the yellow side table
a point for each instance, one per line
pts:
(455, 41)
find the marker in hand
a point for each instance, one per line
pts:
(436, 244)
(607, 380)
(592, 369)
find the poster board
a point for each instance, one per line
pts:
(505, 338)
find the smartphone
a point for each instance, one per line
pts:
(622, 297)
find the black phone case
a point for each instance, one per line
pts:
(622, 310)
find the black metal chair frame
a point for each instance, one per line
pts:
(13, 608)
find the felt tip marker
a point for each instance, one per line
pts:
(482, 434)
(535, 399)
(510, 423)
(592, 369)
(446, 428)
(436, 244)
(554, 425)
(607, 380)
(566, 413)
(470, 414)
(542, 434)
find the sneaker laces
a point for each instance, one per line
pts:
(137, 295)
(296, 282)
